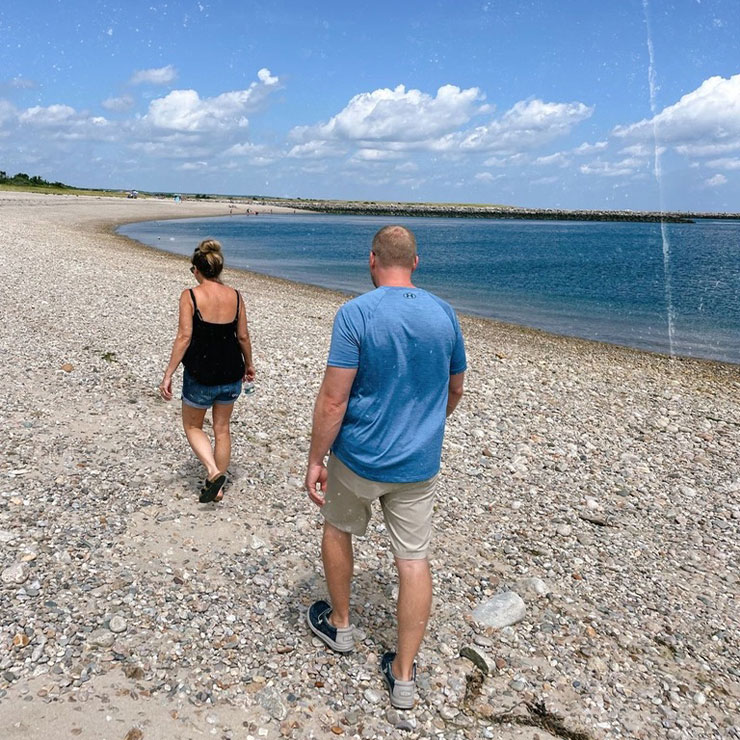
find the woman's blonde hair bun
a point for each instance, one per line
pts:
(208, 246)
(208, 258)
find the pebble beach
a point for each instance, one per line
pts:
(586, 549)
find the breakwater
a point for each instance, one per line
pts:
(451, 210)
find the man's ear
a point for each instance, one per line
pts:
(372, 259)
(416, 263)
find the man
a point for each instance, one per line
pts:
(395, 371)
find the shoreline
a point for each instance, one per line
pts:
(600, 484)
(501, 325)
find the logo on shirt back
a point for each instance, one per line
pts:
(409, 295)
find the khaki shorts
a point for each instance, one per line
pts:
(407, 508)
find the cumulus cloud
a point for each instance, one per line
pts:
(398, 115)
(185, 110)
(525, 126)
(120, 104)
(385, 122)
(703, 122)
(157, 76)
(485, 177)
(715, 181)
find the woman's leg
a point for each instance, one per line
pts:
(222, 434)
(192, 422)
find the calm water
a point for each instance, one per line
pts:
(594, 280)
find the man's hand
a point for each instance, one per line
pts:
(316, 483)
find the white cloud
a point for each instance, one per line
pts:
(376, 155)
(587, 148)
(627, 166)
(485, 177)
(7, 111)
(315, 150)
(157, 76)
(715, 181)
(407, 167)
(266, 78)
(121, 104)
(558, 159)
(193, 166)
(525, 126)
(549, 180)
(52, 115)
(185, 110)
(703, 122)
(725, 163)
(398, 115)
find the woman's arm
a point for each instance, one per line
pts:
(242, 334)
(180, 345)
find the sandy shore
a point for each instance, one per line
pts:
(600, 484)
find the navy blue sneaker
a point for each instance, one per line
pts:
(340, 639)
(402, 693)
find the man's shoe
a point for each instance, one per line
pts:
(340, 639)
(403, 693)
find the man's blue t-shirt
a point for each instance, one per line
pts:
(405, 344)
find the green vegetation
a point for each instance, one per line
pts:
(23, 182)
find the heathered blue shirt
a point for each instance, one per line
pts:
(405, 344)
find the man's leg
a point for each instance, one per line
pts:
(336, 553)
(414, 605)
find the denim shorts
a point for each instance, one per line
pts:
(204, 396)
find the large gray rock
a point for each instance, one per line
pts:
(17, 573)
(500, 611)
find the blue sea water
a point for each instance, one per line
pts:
(596, 280)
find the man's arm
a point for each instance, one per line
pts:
(331, 404)
(455, 391)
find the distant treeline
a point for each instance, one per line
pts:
(21, 178)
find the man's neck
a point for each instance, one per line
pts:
(393, 279)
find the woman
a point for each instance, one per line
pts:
(213, 344)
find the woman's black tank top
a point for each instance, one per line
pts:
(214, 356)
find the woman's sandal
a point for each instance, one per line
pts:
(212, 489)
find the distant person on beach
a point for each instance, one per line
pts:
(395, 372)
(213, 345)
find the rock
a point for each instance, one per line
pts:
(68, 367)
(102, 638)
(501, 611)
(117, 624)
(17, 573)
(564, 530)
(478, 658)
(533, 587)
(371, 696)
(271, 701)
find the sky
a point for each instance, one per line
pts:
(626, 104)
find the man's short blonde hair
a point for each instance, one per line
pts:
(395, 246)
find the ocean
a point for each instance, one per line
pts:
(614, 282)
